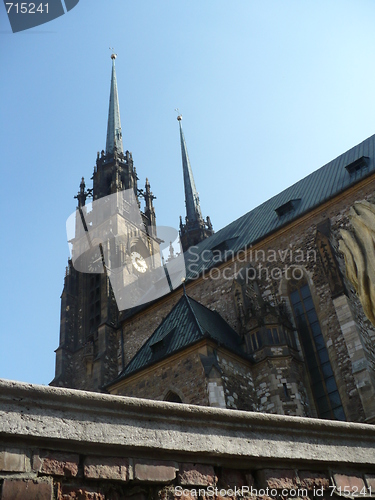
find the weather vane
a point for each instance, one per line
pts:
(113, 55)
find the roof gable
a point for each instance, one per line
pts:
(187, 323)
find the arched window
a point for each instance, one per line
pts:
(172, 397)
(323, 384)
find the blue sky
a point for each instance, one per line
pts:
(269, 91)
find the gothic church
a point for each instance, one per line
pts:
(277, 310)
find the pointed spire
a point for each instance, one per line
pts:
(193, 209)
(195, 229)
(114, 134)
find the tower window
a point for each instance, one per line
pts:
(323, 384)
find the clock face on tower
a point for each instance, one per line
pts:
(94, 261)
(138, 262)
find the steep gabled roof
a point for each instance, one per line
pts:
(187, 323)
(295, 201)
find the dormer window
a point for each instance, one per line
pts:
(162, 342)
(224, 245)
(288, 207)
(358, 167)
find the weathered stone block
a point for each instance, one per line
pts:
(107, 468)
(55, 463)
(220, 497)
(12, 460)
(155, 471)
(311, 480)
(188, 495)
(278, 478)
(137, 496)
(229, 478)
(20, 489)
(197, 475)
(79, 493)
(370, 480)
(353, 481)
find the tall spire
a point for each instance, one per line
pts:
(114, 134)
(195, 229)
(193, 209)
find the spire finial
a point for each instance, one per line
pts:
(179, 115)
(113, 55)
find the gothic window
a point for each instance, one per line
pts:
(268, 336)
(323, 384)
(172, 397)
(94, 302)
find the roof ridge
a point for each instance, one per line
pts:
(193, 313)
(211, 311)
(148, 342)
(243, 216)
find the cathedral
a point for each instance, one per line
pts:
(273, 313)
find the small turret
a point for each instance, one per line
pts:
(149, 207)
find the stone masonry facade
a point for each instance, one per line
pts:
(184, 377)
(280, 378)
(229, 384)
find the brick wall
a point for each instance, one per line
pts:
(49, 474)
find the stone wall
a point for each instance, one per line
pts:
(184, 376)
(280, 387)
(238, 384)
(61, 444)
(203, 375)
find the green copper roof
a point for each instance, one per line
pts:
(114, 134)
(193, 210)
(295, 201)
(187, 323)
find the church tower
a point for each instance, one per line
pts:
(87, 355)
(195, 229)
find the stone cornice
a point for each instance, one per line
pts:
(79, 420)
